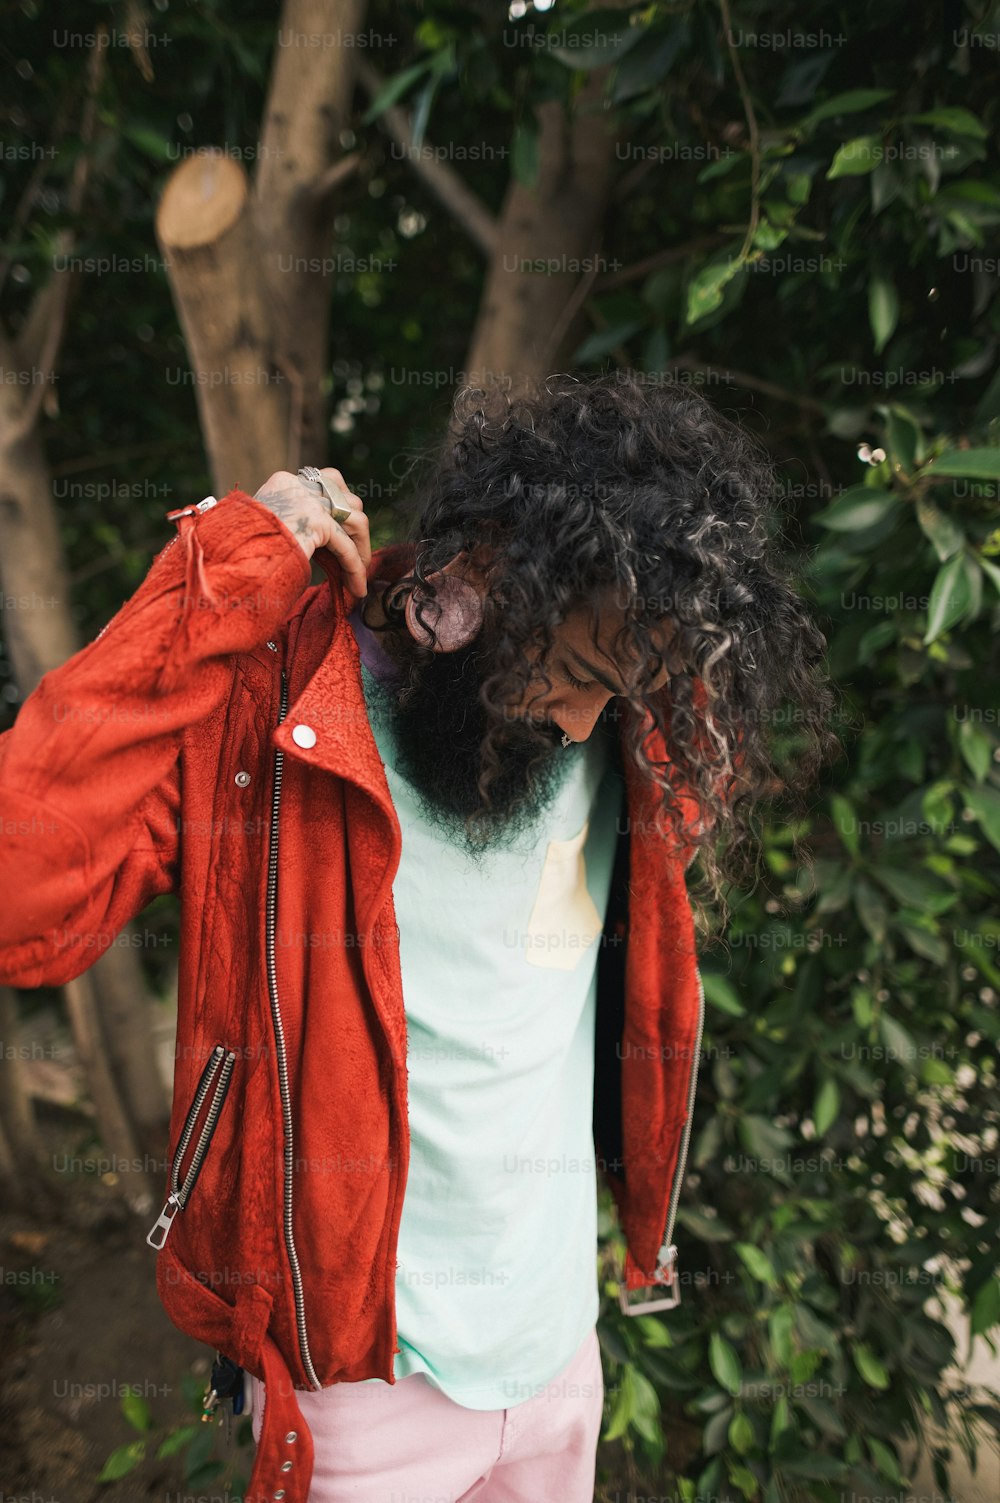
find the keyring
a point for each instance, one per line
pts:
(338, 512)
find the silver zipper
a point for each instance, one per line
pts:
(282, 1056)
(667, 1255)
(217, 1072)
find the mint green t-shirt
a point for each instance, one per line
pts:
(496, 1280)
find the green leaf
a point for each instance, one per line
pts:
(725, 1364)
(422, 109)
(741, 1433)
(596, 39)
(137, 1411)
(721, 993)
(798, 186)
(856, 157)
(826, 1106)
(150, 142)
(846, 822)
(898, 1043)
(861, 1006)
(768, 236)
(649, 65)
(869, 1366)
(766, 1142)
(986, 1308)
(123, 1461)
(884, 1459)
(855, 509)
(654, 1332)
(757, 1263)
(743, 1478)
(177, 1440)
(781, 1326)
(781, 1423)
(705, 290)
(966, 464)
(976, 748)
(903, 437)
(942, 530)
(974, 579)
(950, 598)
(931, 946)
(708, 1228)
(912, 887)
(887, 183)
(883, 309)
(824, 1414)
(602, 341)
(394, 88)
(985, 805)
(960, 122)
(935, 1071)
(637, 1405)
(990, 570)
(848, 103)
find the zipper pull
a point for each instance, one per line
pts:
(164, 1222)
(190, 511)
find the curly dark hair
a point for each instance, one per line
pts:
(588, 484)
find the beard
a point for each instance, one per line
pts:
(439, 725)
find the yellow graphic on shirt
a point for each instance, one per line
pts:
(564, 921)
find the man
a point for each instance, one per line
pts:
(436, 942)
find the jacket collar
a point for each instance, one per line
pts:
(331, 703)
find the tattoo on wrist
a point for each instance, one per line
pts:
(286, 505)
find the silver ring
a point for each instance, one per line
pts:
(338, 512)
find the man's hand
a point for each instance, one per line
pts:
(305, 511)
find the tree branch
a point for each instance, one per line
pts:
(37, 348)
(752, 130)
(752, 383)
(468, 211)
(657, 259)
(334, 177)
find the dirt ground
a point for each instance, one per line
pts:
(80, 1325)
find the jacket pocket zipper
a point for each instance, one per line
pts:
(666, 1258)
(214, 1084)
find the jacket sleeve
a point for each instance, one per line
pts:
(89, 772)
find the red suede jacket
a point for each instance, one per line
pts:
(213, 740)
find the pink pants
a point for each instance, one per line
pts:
(407, 1442)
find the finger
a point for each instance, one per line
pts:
(353, 566)
(339, 484)
(357, 525)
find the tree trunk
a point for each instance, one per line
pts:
(140, 1175)
(529, 320)
(21, 1158)
(205, 231)
(309, 104)
(40, 634)
(17, 1123)
(247, 268)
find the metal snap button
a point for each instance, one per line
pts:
(279, 1494)
(286, 1466)
(273, 646)
(304, 735)
(292, 1435)
(242, 779)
